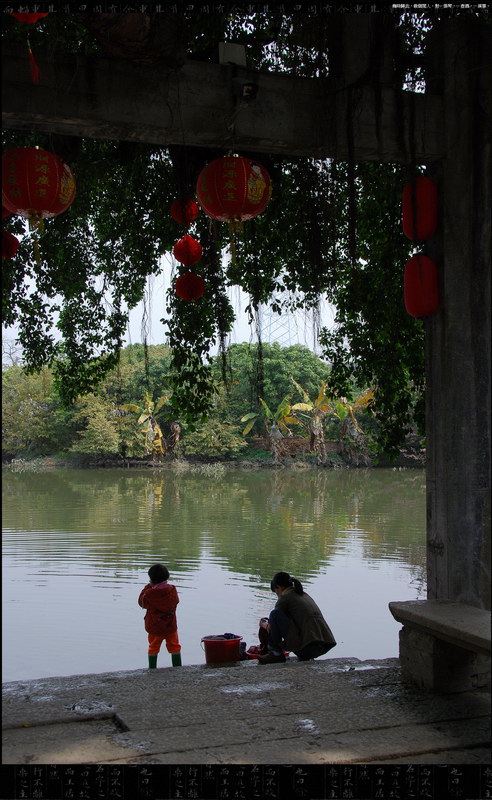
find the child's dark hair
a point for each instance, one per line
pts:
(158, 573)
(284, 580)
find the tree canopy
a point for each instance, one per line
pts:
(332, 229)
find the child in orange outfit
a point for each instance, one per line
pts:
(160, 598)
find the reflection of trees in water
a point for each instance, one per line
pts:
(255, 522)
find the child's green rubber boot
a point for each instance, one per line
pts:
(176, 659)
(152, 662)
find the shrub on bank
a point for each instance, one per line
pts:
(213, 439)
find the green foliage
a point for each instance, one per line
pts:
(131, 443)
(279, 364)
(213, 438)
(278, 420)
(386, 344)
(193, 330)
(36, 423)
(146, 413)
(100, 433)
(139, 370)
(32, 421)
(95, 259)
(97, 256)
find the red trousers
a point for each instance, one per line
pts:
(172, 643)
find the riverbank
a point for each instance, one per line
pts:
(256, 458)
(332, 711)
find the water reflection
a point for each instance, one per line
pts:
(80, 543)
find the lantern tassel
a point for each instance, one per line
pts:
(236, 228)
(36, 224)
(35, 73)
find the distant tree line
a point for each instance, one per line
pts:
(130, 414)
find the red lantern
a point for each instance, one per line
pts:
(190, 286)
(36, 184)
(188, 251)
(10, 244)
(422, 192)
(184, 211)
(29, 18)
(233, 188)
(5, 212)
(420, 287)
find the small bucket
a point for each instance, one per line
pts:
(219, 649)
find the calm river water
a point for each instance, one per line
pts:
(77, 545)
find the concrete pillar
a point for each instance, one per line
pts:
(458, 361)
(458, 336)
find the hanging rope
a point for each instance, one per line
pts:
(352, 200)
(145, 325)
(259, 363)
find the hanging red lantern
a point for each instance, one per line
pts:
(421, 193)
(36, 184)
(10, 244)
(420, 286)
(233, 188)
(29, 18)
(187, 250)
(190, 286)
(5, 212)
(184, 211)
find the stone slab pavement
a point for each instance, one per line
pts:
(330, 711)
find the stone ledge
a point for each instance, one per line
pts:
(327, 711)
(461, 625)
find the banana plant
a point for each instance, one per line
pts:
(343, 409)
(313, 414)
(351, 436)
(279, 419)
(150, 427)
(316, 409)
(340, 408)
(275, 423)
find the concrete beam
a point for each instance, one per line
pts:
(201, 105)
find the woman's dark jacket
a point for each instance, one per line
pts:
(307, 623)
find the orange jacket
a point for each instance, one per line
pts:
(160, 601)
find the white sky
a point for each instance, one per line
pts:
(287, 328)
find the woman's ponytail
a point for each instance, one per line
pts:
(284, 580)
